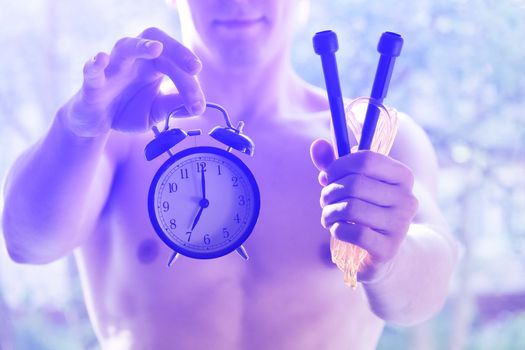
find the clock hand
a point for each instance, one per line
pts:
(204, 203)
(196, 220)
(203, 183)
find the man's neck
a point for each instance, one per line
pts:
(254, 94)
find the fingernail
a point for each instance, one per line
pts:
(150, 44)
(193, 66)
(197, 108)
(94, 59)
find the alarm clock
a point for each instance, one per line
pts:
(203, 202)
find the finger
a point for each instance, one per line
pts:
(187, 85)
(163, 106)
(174, 51)
(94, 78)
(322, 178)
(322, 154)
(180, 65)
(127, 50)
(362, 187)
(135, 112)
(360, 212)
(94, 70)
(371, 164)
(382, 248)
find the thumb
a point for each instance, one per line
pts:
(322, 154)
(164, 105)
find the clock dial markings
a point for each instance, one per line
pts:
(215, 184)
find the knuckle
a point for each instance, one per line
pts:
(122, 43)
(190, 60)
(407, 175)
(186, 58)
(398, 222)
(323, 220)
(346, 208)
(331, 214)
(413, 203)
(350, 207)
(338, 231)
(410, 178)
(91, 65)
(325, 215)
(89, 94)
(370, 157)
(407, 200)
(191, 95)
(323, 200)
(364, 161)
(354, 183)
(410, 205)
(151, 32)
(87, 67)
(328, 193)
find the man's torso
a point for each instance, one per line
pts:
(288, 295)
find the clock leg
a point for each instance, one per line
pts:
(173, 257)
(242, 252)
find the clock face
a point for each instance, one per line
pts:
(204, 202)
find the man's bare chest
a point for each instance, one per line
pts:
(289, 271)
(288, 231)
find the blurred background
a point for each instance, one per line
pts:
(461, 76)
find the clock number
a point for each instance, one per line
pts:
(173, 187)
(188, 233)
(236, 218)
(219, 169)
(207, 239)
(165, 206)
(235, 181)
(201, 166)
(173, 224)
(225, 232)
(241, 200)
(183, 173)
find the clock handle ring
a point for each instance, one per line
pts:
(181, 110)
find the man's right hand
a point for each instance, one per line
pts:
(121, 90)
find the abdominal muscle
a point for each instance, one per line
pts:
(288, 295)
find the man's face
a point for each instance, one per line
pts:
(238, 32)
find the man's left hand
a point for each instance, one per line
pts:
(366, 200)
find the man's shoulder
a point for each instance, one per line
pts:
(411, 137)
(413, 147)
(316, 99)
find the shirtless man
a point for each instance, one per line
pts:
(83, 188)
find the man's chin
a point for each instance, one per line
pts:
(242, 57)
